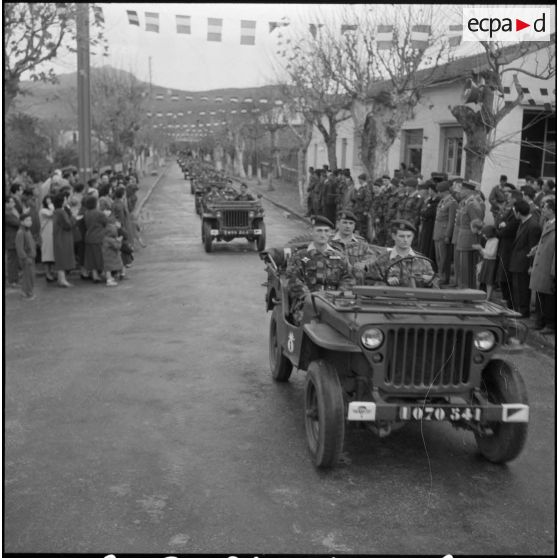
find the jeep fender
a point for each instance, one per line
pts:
(320, 336)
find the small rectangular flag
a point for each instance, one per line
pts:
(419, 36)
(188, 98)
(248, 100)
(455, 34)
(152, 21)
(99, 17)
(218, 99)
(174, 97)
(183, 24)
(345, 28)
(234, 99)
(159, 97)
(247, 32)
(133, 18)
(314, 28)
(263, 101)
(214, 29)
(204, 98)
(384, 37)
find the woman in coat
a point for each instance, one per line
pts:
(46, 217)
(63, 239)
(543, 272)
(95, 224)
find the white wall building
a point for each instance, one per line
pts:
(433, 140)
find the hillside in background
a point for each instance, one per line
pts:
(59, 101)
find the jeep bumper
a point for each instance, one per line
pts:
(370, 411)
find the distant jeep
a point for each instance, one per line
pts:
(225, 220)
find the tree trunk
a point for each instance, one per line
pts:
(239, 146)
(301, 174)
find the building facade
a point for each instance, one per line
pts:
(432, 140)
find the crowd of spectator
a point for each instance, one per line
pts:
(68, 226)
(510, 252)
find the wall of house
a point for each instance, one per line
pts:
(433, 117)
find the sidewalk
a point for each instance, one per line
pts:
(285, 196)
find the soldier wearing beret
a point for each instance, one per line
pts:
(317, 267)
(468, 209)
(443, 230)
(411, 272)
(359, 253)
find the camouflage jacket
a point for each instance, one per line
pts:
(310, 270)
(358, 251)
(360, 200)
(405, 271)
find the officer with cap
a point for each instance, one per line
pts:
(411, 272)
(359, 253)
(468, 210)
(443, 230)
(317, 267)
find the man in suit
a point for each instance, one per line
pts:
(468, 210)
(443, 230)
(543, 272)
(527, 236)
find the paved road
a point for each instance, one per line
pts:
(144, 419)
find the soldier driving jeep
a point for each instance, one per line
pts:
(401, 266)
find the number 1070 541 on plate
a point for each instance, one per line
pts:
(411, 412)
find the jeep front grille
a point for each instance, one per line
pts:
(235, 218)
(428, 357)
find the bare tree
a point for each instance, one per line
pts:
(384, 76)
(118, 103)
(34, 34)
(522, 60)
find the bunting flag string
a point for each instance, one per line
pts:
(99, 16)
(345, 28)
(419, 36)
(247, 32)
(214, 29)
(455, 34)
(183, 24)
(384, 37)
(133, 18)
(152, 21)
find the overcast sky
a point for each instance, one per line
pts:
(191, 62)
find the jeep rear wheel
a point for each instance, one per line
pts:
(207, 239)
(260, 241)
(281, 367)
(324, 414)
(502, 383)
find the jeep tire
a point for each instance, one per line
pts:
(207, 239)
(260, 241)
(281, 367)
(324, 414)
(502, 383)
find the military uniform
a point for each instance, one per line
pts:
(357, 251)
(468, 210)
(330, 197)
(406, 271)
(310, 270)
(360, 202)
(244, 197)
(442, 235)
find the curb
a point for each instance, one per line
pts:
(140, 205)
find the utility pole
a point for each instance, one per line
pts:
(83, 88)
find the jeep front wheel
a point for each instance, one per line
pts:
(281, 367)
(324, 414)
(260, 241)
(501, 383)
(207, 239)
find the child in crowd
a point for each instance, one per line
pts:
(26, 253)
(112, 243)
(488, 264)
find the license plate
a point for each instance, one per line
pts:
(453, 414)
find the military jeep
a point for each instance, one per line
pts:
(225, 220)
(381, 357)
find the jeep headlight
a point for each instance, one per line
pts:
(251, 214)
(484, 340)
(372, 338)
